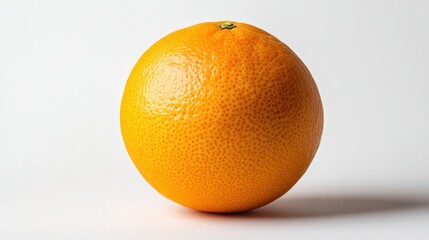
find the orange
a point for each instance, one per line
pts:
(221, 117)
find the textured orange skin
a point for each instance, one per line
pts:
(221, 120)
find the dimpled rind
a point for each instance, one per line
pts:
(221, 120)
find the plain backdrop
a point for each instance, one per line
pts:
(64, 171)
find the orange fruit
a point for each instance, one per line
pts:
(221, 117)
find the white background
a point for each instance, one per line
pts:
(64, 171)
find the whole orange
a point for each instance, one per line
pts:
(221, 117)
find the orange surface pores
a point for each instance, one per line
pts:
(221, 119)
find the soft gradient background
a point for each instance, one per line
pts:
(64, 171)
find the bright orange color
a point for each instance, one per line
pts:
(221, 120)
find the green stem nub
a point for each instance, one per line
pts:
(227, 25)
